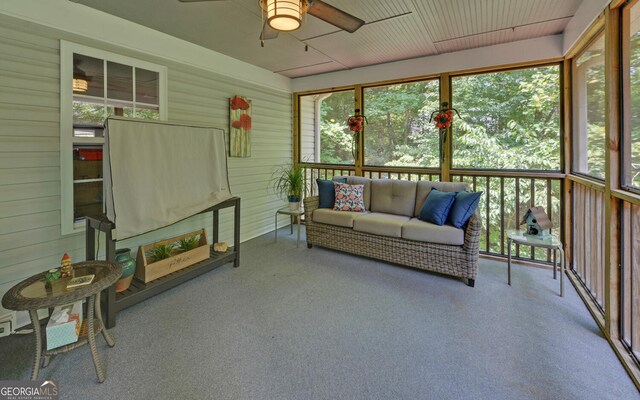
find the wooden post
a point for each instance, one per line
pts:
(295, 100)
(445, 96)
(90, 241)
(566, 188)
(359, 104)
(612, 173)
(236, 232)
(215, 235)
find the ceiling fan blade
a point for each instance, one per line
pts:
(268, 32)
(334, 16)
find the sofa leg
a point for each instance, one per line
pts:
(471, 282)
(309, 245)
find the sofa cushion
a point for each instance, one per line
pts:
(437, 206)
(424, 187)
(327, 193)
(463, 208)
(427, 232)
(348, 197)
(380, 224)
(338, 218)
(393, 196)
(360, 180)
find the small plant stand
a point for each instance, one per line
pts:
(296, 216)
(140, 291)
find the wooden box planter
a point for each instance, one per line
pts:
(149, 270)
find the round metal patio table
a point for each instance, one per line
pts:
(35, 293)
(295, 216)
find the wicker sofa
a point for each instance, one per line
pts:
(390, 231)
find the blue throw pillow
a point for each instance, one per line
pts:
(463, 208)
(327, 193)
(436, 207)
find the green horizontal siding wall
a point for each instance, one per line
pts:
(30, 238)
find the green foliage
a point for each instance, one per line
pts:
(90, 113)
(632, 167)
(336, 141)
(288, 180)
(510, 120)
(188, 243)
(399, 132)
(161, 252)
(589, 115)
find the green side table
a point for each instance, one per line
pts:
(553, 243)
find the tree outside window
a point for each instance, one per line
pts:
(399, 132)
(631, 80)
(589, 110)
(510, 120)
(324, 135)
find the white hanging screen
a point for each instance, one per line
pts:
(156, 174)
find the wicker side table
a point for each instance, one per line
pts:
(35, 293)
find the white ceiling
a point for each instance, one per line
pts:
(393, 30)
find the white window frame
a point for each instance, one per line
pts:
(67, 140)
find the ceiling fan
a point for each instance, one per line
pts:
(286, 15)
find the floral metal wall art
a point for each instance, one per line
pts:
(240, 129)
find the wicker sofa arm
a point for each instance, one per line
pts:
(472, 234)
(311, 203)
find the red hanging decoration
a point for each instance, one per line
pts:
(444, 117)
(356, 122)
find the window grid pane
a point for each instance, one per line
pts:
(90, 109)
(119, 81)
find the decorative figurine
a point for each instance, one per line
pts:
(65, 266)
(52, 275)
(220, 247)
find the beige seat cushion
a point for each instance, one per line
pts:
(423, 231)
(424, 187)
(338, 218)
(360, 180)
(393, 196)
(380, 224)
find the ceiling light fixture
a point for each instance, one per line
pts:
(284, 15)
(80, 79)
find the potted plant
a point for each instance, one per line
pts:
(288, 180)
(161, 252)
(167, 256)
(188, 243)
